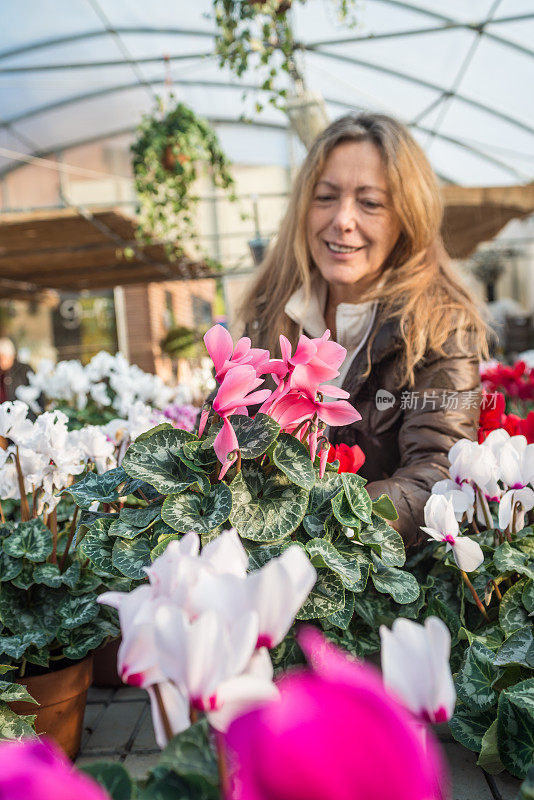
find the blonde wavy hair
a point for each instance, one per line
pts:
(422, 290)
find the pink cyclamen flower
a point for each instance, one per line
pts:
(235, 393)
(36, 769)
(220, 347)
(334, 734)
(415, 667)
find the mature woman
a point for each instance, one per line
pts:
(359, 252)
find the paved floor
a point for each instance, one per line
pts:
(118, 727)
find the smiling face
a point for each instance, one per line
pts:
(351, 225)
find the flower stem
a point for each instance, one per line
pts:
(69, 540)
(162, 710)
(485, 510)
(193, 715)
(497, 590)
(222, 765)
(238, 462)
(24, 507)
(476, 598)
(2, 518)
(52, 523)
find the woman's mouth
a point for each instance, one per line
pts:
(342, 248)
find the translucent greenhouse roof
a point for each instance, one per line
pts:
(460, 73)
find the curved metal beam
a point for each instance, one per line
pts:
(92, 64)
(327, 54)
(92, 34)
(272, 126)
(129, 129)
(250, 87)
(448, 26)
(424, 83)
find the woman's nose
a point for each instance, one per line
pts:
(345, 216)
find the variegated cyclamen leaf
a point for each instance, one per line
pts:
(191, 511)
(31, 540)
(385, 541)
(9, 567)
(162, 544)
(25, 577)
(97, 546)
(293, 458)
(508, 559)
(254, 436)
(402, 586)
(489, 759)
(343, 511)
(87, 638)
(357, 495)
(314, 525)
(97, 488)
(342, 618)
(384, 508)
(254, 440)
(517, 649)
(130, 556)
(259, 556)
(76, 611)
(140, 517)
(155, 461)
(324, 490)
(324, 554)
(527, 597)
(326, 597)
(468, 727)
(512, 613)
(266, 508)
(515, 727)
(474, 682)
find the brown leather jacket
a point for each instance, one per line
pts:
(406, 436)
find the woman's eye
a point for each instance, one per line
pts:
(371, 204)
(325, 197)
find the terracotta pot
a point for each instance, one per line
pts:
(62, 697)
(170, 159)
(105, 665)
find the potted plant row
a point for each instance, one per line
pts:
(50, 622)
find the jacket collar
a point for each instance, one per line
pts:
(386, 340)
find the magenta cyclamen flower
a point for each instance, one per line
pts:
(221, 349)
(334, 734)
(235, 393)
(36, 769)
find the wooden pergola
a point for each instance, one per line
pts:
(74, 249)
(475, 214)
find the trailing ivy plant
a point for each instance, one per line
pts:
(273, 496)
(248, 31)
(171, 147)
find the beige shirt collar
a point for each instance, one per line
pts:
(352, 319)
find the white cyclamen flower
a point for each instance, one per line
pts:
(415, 667)
(441, 525)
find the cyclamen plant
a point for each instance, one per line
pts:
(267, 476)
(480, 515)
(48, 594)
(106, 388)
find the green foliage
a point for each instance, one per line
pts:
(259, 36)
(170, 147)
